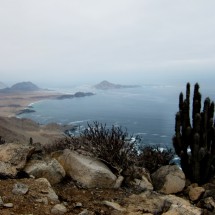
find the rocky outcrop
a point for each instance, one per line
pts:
(51, 170)
(76, 95)
(169, 179)
(144, 182)
(88, 171)
(195, 192)
(59, 209)
(150, 202)
(13, 158)
(47, 190)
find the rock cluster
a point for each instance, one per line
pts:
(156, 196)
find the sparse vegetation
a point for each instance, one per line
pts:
(198, 164)
(113, 146)
(121, 152)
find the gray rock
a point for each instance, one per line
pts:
(51, 170)
(8, 205)
(143, 183)
(114, 205)
(43, 200)
(154, 203)
(195, 193)
(88, 171)
(183, 210)
(20, 188)
(13, 158)
(169, 179)
(118, 182)
(146, 202)
(85, 212)
(59, 209)
(47, 191)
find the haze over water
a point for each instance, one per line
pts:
(147, 111)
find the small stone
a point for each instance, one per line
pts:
(8, 205)
(114, 205)
(78, 205)
(59, 209)
(20, 188)
(195, 193)
(84, 212)
(119, 181)
(43, 200)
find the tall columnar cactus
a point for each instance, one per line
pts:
(195, 144)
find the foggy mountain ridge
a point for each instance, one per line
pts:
(2, 85)
(21, 86)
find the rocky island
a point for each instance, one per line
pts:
(105, 85)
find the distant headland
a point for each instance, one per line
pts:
(15, 100)
(20, 87)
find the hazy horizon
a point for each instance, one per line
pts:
(57, 43)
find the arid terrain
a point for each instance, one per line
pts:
(34, 181)
(12, 103)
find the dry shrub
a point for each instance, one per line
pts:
(113, 146)
(119, 151)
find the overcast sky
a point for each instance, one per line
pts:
(58, 42)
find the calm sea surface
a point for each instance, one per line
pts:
(148, 111)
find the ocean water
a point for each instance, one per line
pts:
(147, 111)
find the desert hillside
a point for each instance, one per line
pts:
(21, 130)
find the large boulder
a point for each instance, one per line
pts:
(195, 193)
(51, 170)
(46, 190)
(169, 179)
(88, 171)
(180, 206)
(13, 158)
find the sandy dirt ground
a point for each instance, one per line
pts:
(12, 103)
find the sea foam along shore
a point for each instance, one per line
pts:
(12, 103)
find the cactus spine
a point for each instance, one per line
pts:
(198, 164)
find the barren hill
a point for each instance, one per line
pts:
(20, 130)
(21, 87)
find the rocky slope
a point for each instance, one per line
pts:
(21, 130)
(70, 181)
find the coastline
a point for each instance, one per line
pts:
(12, 103)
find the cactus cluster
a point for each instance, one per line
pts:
(195, 143)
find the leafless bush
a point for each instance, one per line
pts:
(116, 149)
(112, 145)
